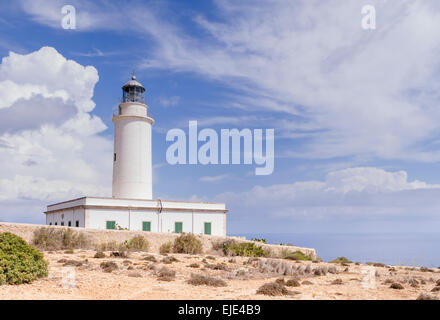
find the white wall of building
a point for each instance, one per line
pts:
(64, 216)
(130, 214)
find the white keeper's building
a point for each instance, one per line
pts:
(132, 206)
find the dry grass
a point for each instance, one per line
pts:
(397, 286)
(194, 265)
(425, 296)
(46, 238)
(108, 266)
(166, 247)
(165, 274)
(201, 280)
(292, 283)
(99, 255)
(169, 260)
(273, 289)
(150, 258)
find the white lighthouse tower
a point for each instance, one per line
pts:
(132, 167)
(132, 206)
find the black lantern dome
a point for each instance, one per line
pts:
(133, 91)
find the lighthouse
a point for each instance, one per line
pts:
(132, 167)
(131, 206)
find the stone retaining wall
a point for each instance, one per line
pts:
(156, 239)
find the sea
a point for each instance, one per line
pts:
(409, 249)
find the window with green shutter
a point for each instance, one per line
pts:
(207, 227)
(111, 225)
(178, 227)
(146, 226)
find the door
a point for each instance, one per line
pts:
(178, 227)
(111, 225)
(146, 226)
(207, 227)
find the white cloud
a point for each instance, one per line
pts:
(169, 101)
(355, 193)
(50, 147)
(352, 92)
(372, 93)
(215, 178)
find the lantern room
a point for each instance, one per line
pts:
(133, 91)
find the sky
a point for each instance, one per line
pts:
(355, 112)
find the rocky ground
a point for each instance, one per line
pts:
(79, 275)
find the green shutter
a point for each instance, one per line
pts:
(146, 226)
(207, 227)
(111, 225)
(178, 226)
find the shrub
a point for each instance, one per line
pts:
(397, 286)
(107, 246)
(121, 252)
(108, 266)
(169, 260)
(259, 240)
(150, 258)
(166, 274)
(273, 289)
(376, 264)
(218, 245)
(56, 239)
(425, 296)
(73, 263)
(99, 255)
(297, 255)
(341, 260)
(166, 247)
(245, 249)
(292, 283)
(194, 265)
(138, 243)
(199, 280)
(187, 243)
(72, 239)
(217, 266)
(19, 262)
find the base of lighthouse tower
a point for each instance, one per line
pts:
(132, 206)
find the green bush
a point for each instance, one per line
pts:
(259, 240)
(46, 238)
(244, 249)
(19, 262)
(187, 243)
(138, 243)
(341, 260)
(296, 255)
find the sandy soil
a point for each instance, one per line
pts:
(137, 278)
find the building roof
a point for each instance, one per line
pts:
(133, 83)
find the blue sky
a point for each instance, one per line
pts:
(355, 112)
